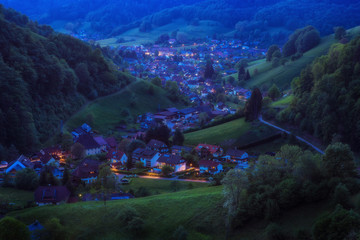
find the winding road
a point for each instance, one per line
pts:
(297, 137)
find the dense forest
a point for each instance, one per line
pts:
(44, 78)
(327, 96)
(266, 21)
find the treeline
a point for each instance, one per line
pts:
(275, 184)
(44, 79)
(327, 96)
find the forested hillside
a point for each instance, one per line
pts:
(44, 79)
(266, 21)
(327, 96)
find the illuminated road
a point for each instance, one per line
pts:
(120, 176)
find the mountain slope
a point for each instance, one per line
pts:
(44, 79)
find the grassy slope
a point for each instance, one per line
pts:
(133, 36)
(159, 186)
(16, 196)
(283, 102)
(237, 132)
(197, 210)
(162, 215)
(107, 110)
(218, 134)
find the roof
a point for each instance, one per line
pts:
(46, 158)
(212, 148)
(100, 140)
(51, 194)
(173, 110)
(156, 144)
(111, 141)
(87, 168)
(187, 110)
(88, 141)
(181, 148)
(208, 163)
(115, 154)
(23, 161)
(235, 153)
(171, 159)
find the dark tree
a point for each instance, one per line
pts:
(272, 49)
(247, 75)
(241, 73)
(26, 179)
(178, 138)
(340, 33)
(11, 228)
(209, 70)
(274, 92)
(253, 105)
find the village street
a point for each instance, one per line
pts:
(120, 176)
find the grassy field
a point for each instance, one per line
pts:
(159, 186)
(197, 210)
(135, 37)
(107, 111)
(235, 133)
(283, 102)
(15, 196)
(218, 134)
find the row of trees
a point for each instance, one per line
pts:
(292, 177)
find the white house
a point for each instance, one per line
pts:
(146, 156)
(174, 161)
(207, 166)
(90, 145)
(236, 155)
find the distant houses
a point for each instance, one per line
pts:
(87, 171)
(174, 161)
(46, 195)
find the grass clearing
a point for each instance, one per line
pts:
(218, 134)
(135, 37)
(283, 102)
(160, 186)
(15, 196)
(107, 112)
(194, 209)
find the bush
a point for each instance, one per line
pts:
(274, 232)
(342, 196)
(180, 233)
(10, 228)
(142, 192)
(26, 179)
(136, 226)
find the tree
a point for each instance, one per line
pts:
(340, 33)
(26, 179)
(339, 161)
(54, 230)
(274, 232)
(241, 73)
(10, 228)
(133, 145)
(253, 105)
(178, 138)
(235, 184)
(66, 177)
(274, 92)
(342, 196)
(78, 151)
(156, 81)
(180, 233)
(66, 141)
(336, 225)
(247, 75)
(166, 170)
(271, 50)
(203, 118)
(209, 70)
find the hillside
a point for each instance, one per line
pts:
(199, 210)
(264, 75)
(45, 77)
(109, 112)
(326, 96)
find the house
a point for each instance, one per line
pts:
(102, 142)
(116, 156)
(187, 112)
(90, 145)
(45, 195)
(174, 161)
(146, 156)
(212, 167)
(177, 150)
(158, 146)
(236, 155)
(87, 171)
(111, 142)
(46, 159)
(57, 172)
(204, 150)
(19, 164)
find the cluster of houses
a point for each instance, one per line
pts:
(186, 65)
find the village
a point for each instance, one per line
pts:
(155, 160)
